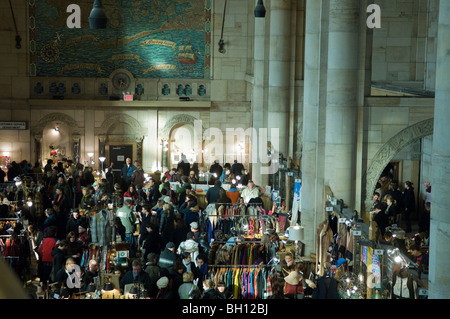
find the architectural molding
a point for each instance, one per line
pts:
(164, 132)
(38, 129)
(114, 119)
(387, 152)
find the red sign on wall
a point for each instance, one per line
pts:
(128, 97)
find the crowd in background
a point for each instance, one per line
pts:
(160, 222)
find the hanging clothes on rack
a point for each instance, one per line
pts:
(236, 225)
(245, 282)
(102, 230)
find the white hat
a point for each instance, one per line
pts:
(162, 282)
(194, 225)
(293, 278)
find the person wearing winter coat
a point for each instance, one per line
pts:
(59, 256)
(409, 203)
(209, 292)
(190, 209)
(137, 178)
(151, 240)
(167, 257)
(186, 289)
(189, 246)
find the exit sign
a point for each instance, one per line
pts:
(128, 97)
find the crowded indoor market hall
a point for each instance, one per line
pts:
(227, 149)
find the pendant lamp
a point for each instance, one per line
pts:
(97, 17)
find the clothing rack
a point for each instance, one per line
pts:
(255, 204)
(223, 215)
(240, 266)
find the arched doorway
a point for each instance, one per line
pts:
(57, 136)
(181, 143)
(179, 128)
(387, 152)
(120, 136)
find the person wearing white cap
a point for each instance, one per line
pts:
(195, 230)
(164, 291)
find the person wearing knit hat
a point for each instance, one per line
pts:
(194, 225)
(162, 282)
(167, 257)
(195, 230)
(164, 291)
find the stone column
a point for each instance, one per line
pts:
(342, 98)
(38, 148)
(439, 278)
(316, 44)
(76, 148)
(258, 100)
(278, 110)
(151, 143)
(89, 135)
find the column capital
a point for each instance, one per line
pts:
(38, 138)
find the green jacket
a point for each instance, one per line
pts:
(127, 218)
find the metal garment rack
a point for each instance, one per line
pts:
(240, 266)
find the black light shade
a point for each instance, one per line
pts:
(260, 11)
(97, 17)
(134, 290)
(64, 292)
(91, 288)
(108, 286)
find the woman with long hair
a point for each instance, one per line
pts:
(166, 224)
(132, 193)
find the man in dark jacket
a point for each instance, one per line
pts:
(190, 210)
(168, 256)
(409, 202)
(127, 172)
(237, 168)
(152, 193)
(153, 271)
(381, 219)
(59, 256)
(213, 193)
(90, 274)
(184, 165)
(73, 222)
(216, 169)
(135, 276)
(151, 240)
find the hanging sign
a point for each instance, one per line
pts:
(376, 268)
(364, 255)
(13, 125)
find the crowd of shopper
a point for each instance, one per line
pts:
(159, 221)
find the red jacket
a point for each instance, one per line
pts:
(45, 250)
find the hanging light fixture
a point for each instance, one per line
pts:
(221, 42)
(260, 10)
(102, 159)
(97, 17)
(108, 286)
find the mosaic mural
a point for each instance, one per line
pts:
(150, 38)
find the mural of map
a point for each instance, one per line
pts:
(150, 38)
